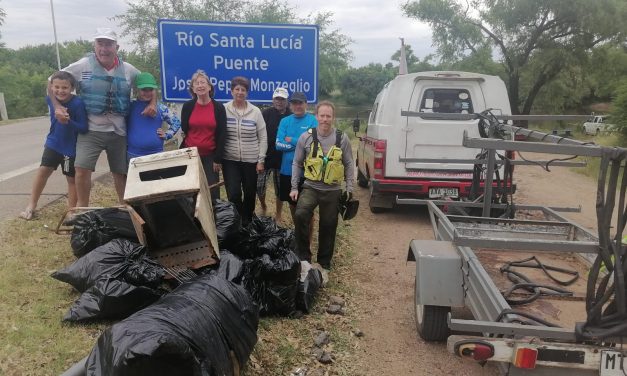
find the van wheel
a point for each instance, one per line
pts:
(431, 321)
(362, 181)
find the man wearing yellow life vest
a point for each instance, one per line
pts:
(325, 156)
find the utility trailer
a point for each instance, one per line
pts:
(458, 269)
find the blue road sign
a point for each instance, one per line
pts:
(269, 55)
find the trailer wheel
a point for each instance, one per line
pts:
(362, 180)
(431, 321)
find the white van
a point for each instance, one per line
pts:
(392, 139)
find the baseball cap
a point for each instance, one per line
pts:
(298, 97)
(145, 80)
(105, 33)
(280, 92)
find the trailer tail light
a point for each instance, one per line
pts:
(379, 159)
(480, 351)
(525, 357)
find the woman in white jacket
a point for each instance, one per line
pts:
(244, 149)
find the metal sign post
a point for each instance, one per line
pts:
(269, 55)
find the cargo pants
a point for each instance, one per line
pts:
(327, 201)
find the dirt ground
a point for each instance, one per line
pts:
(390, 345)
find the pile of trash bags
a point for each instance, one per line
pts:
(116, 279)
(206, 325)
(261, 257)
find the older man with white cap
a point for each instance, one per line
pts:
(273, 116)
(105, 83)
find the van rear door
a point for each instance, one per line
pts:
(442, 139)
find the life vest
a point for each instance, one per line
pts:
(326, 168)
(103, 93)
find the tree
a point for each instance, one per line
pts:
(139, 22)
(334, 51)
(533, 39)
(619, 108)
(361, 85)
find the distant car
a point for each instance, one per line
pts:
(597, 125)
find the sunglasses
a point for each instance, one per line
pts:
(147, 89)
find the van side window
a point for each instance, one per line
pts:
(373, 113)
(450, 101)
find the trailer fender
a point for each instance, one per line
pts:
(439, 279)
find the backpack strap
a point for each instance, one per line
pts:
(314, 134)
(338, 138)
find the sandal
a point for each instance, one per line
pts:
(27, 214)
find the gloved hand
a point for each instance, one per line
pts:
(346, 196)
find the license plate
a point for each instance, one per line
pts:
(612, 364)
(443, 192)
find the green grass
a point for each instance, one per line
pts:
(36, 342)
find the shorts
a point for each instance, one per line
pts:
(51, 158)
(90, 145)
(285, 187)
(262, 180)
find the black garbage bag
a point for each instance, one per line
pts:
(273, 281)
(113, 260)
(231, 267)
(262, 236)
(308, 286)
(144, 271)
(283, 266)
(198, 329)
(275, 298)
(228, 223)
(98, 227)
(110, 299)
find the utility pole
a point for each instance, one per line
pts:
(56, 43)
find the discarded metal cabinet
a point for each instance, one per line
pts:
(170, 205)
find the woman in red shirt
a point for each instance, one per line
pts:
(203, 121)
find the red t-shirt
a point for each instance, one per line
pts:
(202, 129)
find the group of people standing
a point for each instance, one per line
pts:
(306, 157)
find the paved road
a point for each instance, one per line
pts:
(20, 154)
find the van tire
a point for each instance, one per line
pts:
(431, 321)
(362, 181)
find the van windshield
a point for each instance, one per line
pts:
(447, 101)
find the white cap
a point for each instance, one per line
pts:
(105, 33)
(280, 92)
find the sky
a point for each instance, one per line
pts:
(374, 25)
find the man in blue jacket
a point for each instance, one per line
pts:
(290, 130)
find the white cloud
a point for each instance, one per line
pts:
(29, 22)
(374, 25)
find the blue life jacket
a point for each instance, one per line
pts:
(103, 93)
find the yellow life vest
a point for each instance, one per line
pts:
(326, 168)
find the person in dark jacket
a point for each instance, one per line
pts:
(272, 116)
(203, 121)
